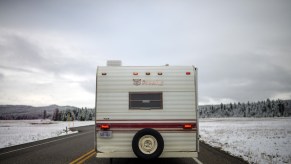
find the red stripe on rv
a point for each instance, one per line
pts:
(173, 120)
(145, 125)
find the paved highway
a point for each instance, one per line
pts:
(78, 148)
(56, 150)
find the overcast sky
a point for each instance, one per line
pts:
(49, 50)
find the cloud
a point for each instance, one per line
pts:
(48, 53)
(18, 51)
(43, 61)
(249, 77)
(89, 85)
(15, 69)
(242, 48)
(282, 95)
(209, 100)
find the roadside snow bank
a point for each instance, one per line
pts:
(15, 132)
(257, 140)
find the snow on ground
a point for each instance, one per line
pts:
(15, 132)
(257, 140)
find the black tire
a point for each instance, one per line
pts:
(148, 132)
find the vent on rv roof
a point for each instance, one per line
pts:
(113, 62)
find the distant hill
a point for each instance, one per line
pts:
(10, 112)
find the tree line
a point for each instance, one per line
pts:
(83, 114)
(268, 108)
(57, 114)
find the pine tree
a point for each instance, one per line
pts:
(56, 115)
(44, 114)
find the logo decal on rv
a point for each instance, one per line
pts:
(137, 82)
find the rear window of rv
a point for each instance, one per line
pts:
(143, 100)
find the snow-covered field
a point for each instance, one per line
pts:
(257, 140)
(15, 132)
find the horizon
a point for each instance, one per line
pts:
(94, 107)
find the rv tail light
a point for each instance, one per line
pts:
(104, 73)
(135, 73)
(187, 126)
(104, 126)
(160, 73)
(148, 73)
(188, 73)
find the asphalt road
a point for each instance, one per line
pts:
(78, 147)
(56, 150)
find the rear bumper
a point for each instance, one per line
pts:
(132, 155)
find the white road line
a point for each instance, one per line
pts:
(45, 143)
(197, 161)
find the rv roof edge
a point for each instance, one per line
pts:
(114, 63)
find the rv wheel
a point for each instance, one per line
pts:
(147, 144)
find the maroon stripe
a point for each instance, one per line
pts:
(146, 125)
(160, 130)
(151, 120)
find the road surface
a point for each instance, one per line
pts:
(78, 148)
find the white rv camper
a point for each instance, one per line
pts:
(146, 111)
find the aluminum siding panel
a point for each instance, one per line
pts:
(178, 95)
